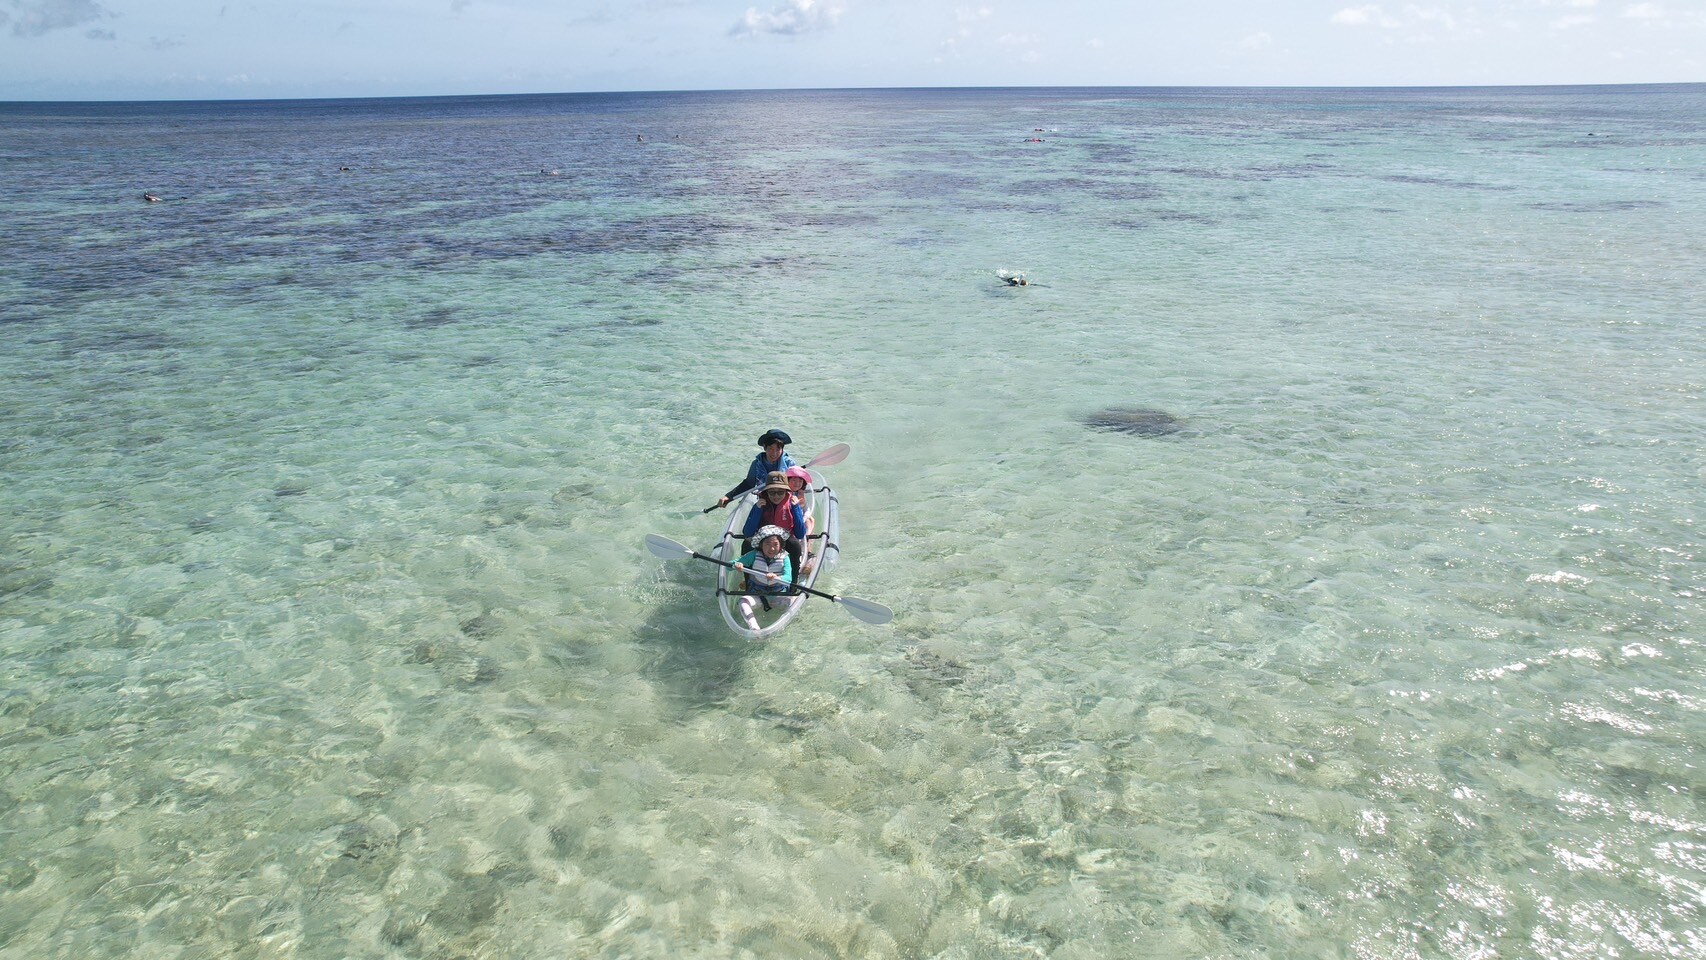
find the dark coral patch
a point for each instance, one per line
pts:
(1137, 421)
(436, 317)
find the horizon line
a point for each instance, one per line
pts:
(871, 89)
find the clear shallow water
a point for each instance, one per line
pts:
(328, 631)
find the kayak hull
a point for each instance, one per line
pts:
(825, 549)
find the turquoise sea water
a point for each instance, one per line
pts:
(327, 629)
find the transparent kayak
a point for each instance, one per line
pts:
(823, 546)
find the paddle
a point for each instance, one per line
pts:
(828, 458)
(866, 610)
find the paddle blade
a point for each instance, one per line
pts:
(866, 610)
(830, 457)
(666, 548)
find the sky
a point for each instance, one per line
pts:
(231, 49)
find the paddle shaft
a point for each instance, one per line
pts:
(866, 610)
(725, 563)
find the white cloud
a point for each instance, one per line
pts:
(1572, 21)
(1094, 43)
(1431, 15)
(1644, 11)
(38, 17)
(1582, 4)
(1355, 16)
(966, 18)
(1411, 16)
(791, 18)
(1256, 41)
(1026, 43)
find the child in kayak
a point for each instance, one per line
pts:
(774, 457)
(776, 507)
(769, 575)
(798, 481)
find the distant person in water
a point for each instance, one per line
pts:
(771, 458)
(1013, 278)
(151, 198)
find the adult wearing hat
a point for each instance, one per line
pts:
(776, 508)
(771, 458)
